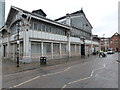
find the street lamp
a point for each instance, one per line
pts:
(18, 42)
(83, 47)
(91, 43)
(104, 42)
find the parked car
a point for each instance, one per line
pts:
(110, 51)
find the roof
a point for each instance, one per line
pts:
(116, 34)
(39, 17)
(78, 12)
(75, 13)
(39, 12)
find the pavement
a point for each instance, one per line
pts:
(10, 67)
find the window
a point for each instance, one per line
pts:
(43, 27)
(111, 42)
(35, 26)
(55, 48)
(116, 41)
(48, 29)
(39, 27)
(63, 48)
(31, 25)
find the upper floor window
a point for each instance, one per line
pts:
(43, 27)
(47, 28)
(39, 27)
(111, 42)
(35, 26)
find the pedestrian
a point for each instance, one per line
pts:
(100, 53)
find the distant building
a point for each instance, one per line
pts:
(104, 43)
(95, 47)
(2, 13)
(40, 36)
(111, 43)
(114, 42)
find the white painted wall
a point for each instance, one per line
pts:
(91, 42)
(14, 36)
(74, 39)
(47, 36)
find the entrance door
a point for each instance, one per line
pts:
(4, 50)
(117, 49)
(82, 49)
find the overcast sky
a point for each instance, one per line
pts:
(102, 14)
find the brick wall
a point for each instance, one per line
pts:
(115, 42)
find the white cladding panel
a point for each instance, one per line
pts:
(95, 43)
(48, 36)
(91, 42)
(77, 40)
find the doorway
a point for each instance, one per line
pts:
(82, 49)
(4, 50)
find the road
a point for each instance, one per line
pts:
(95, 73)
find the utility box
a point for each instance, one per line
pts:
(42, 60)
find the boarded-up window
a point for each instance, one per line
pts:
(72, 48)
(47, 48)
(56, 48)
(63, 48)
(36, 49)
(77, 48)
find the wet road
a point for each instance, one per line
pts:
(95, 73)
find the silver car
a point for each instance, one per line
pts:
(110, 52)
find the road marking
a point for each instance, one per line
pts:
(25, 82)
(83, 78)
(56, 72)
(39, 77)
(63, 87)
(52, 74)
(78, 80)
(16, 73)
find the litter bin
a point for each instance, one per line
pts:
(43, 60)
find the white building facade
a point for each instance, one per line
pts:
(38, 37)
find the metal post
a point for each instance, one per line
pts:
(18, 46)
(104, 41)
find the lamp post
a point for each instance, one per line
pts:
(83, 47)
(91, 43)
(18, 42)
(104, 42)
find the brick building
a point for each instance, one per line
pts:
(104, 43)
(114, 42)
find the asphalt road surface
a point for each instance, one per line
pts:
(95, 73)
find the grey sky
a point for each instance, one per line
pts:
(102, 14)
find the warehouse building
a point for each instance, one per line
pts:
(34, 35)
